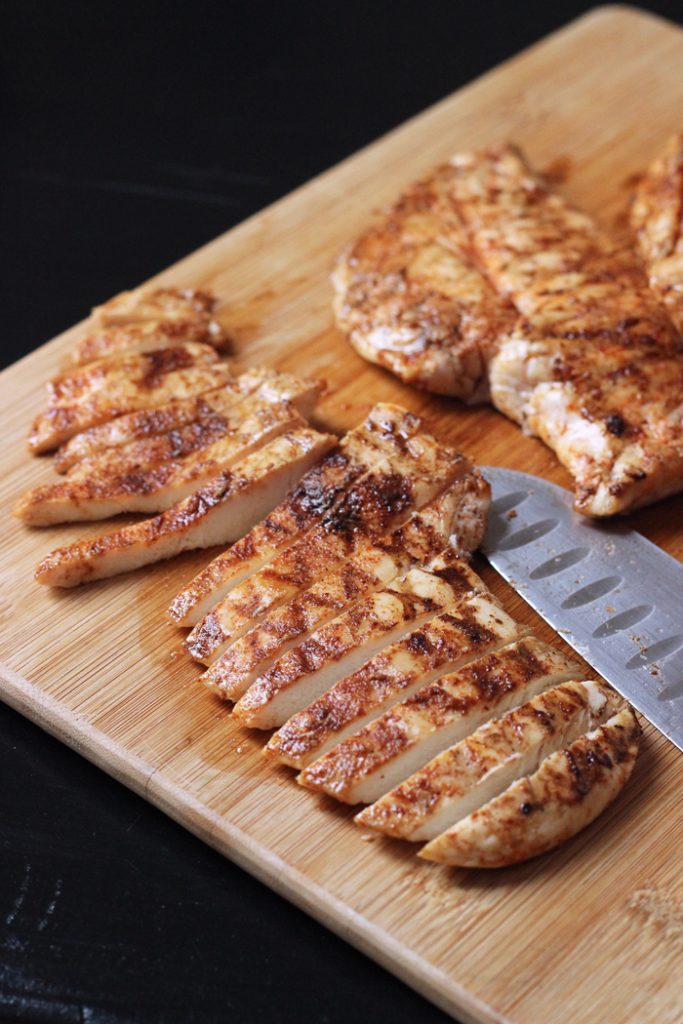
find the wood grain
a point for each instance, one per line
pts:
(591, 932)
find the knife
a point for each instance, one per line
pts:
(615, 597)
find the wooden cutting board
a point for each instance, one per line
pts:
(593, 932)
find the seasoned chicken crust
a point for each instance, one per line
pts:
(411, 298)
(657, 219)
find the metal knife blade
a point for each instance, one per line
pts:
(614, 596)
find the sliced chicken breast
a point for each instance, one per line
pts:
(466, 776)
(594, 366)
(149, 303)
(364, 766)
(255, 418)
(224, 393)
(148, 336)
(111, 387)
(415, 543)
(219, 513)
(538, 812)
(409, 295)
(657, 219)
(386, 428)
(385, 497)
(108, 494)
(347, 642)
(446, 643)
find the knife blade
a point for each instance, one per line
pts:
(615, 597)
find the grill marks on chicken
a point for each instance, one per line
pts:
(111, 387)
(393, 676)
(221, 512)
(657, 220)
(594, 366)
(150, 476)
(589, 362)
(385, 432)
(411, 298)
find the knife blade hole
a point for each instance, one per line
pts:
(655, 652)
(592, 592)
(558, 564)
(508, 501)
(623, 621)
(528, 534)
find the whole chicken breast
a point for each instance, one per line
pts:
(410, 297)
(594, 366)
(540, 811)
(657, 219)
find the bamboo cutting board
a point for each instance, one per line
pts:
(593, 932)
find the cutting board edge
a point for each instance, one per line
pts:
(238, 846)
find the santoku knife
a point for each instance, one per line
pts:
(615, 597)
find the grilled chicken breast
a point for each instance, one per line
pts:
(364, 766)
(252, 418)
(107, 493)
(592, 365)
(446, 643)
(385, 497)
(145, 304)
(386, 429)
(657, 219)
(410, 297)
(109, 387)
(149, 336)
(415, 543)
(538, 812)
(465, 776)
(348, 641)
(221, 394)
(219, 513)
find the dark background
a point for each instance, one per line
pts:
(131, 134)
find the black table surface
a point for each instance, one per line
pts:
(133, 133)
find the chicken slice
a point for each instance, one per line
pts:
(387, 428)
(445, 644)
(385, 497)
(537, 813)
(147, 336)
(464, 777)
(146, 303)
(341, 646)
(657, 219)
(418, 541)
(410, 297)
(110, 387)
(108, 493)
(594, 366)
(219, 513)
(145, 424)
(366, 765)
(254, 418)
